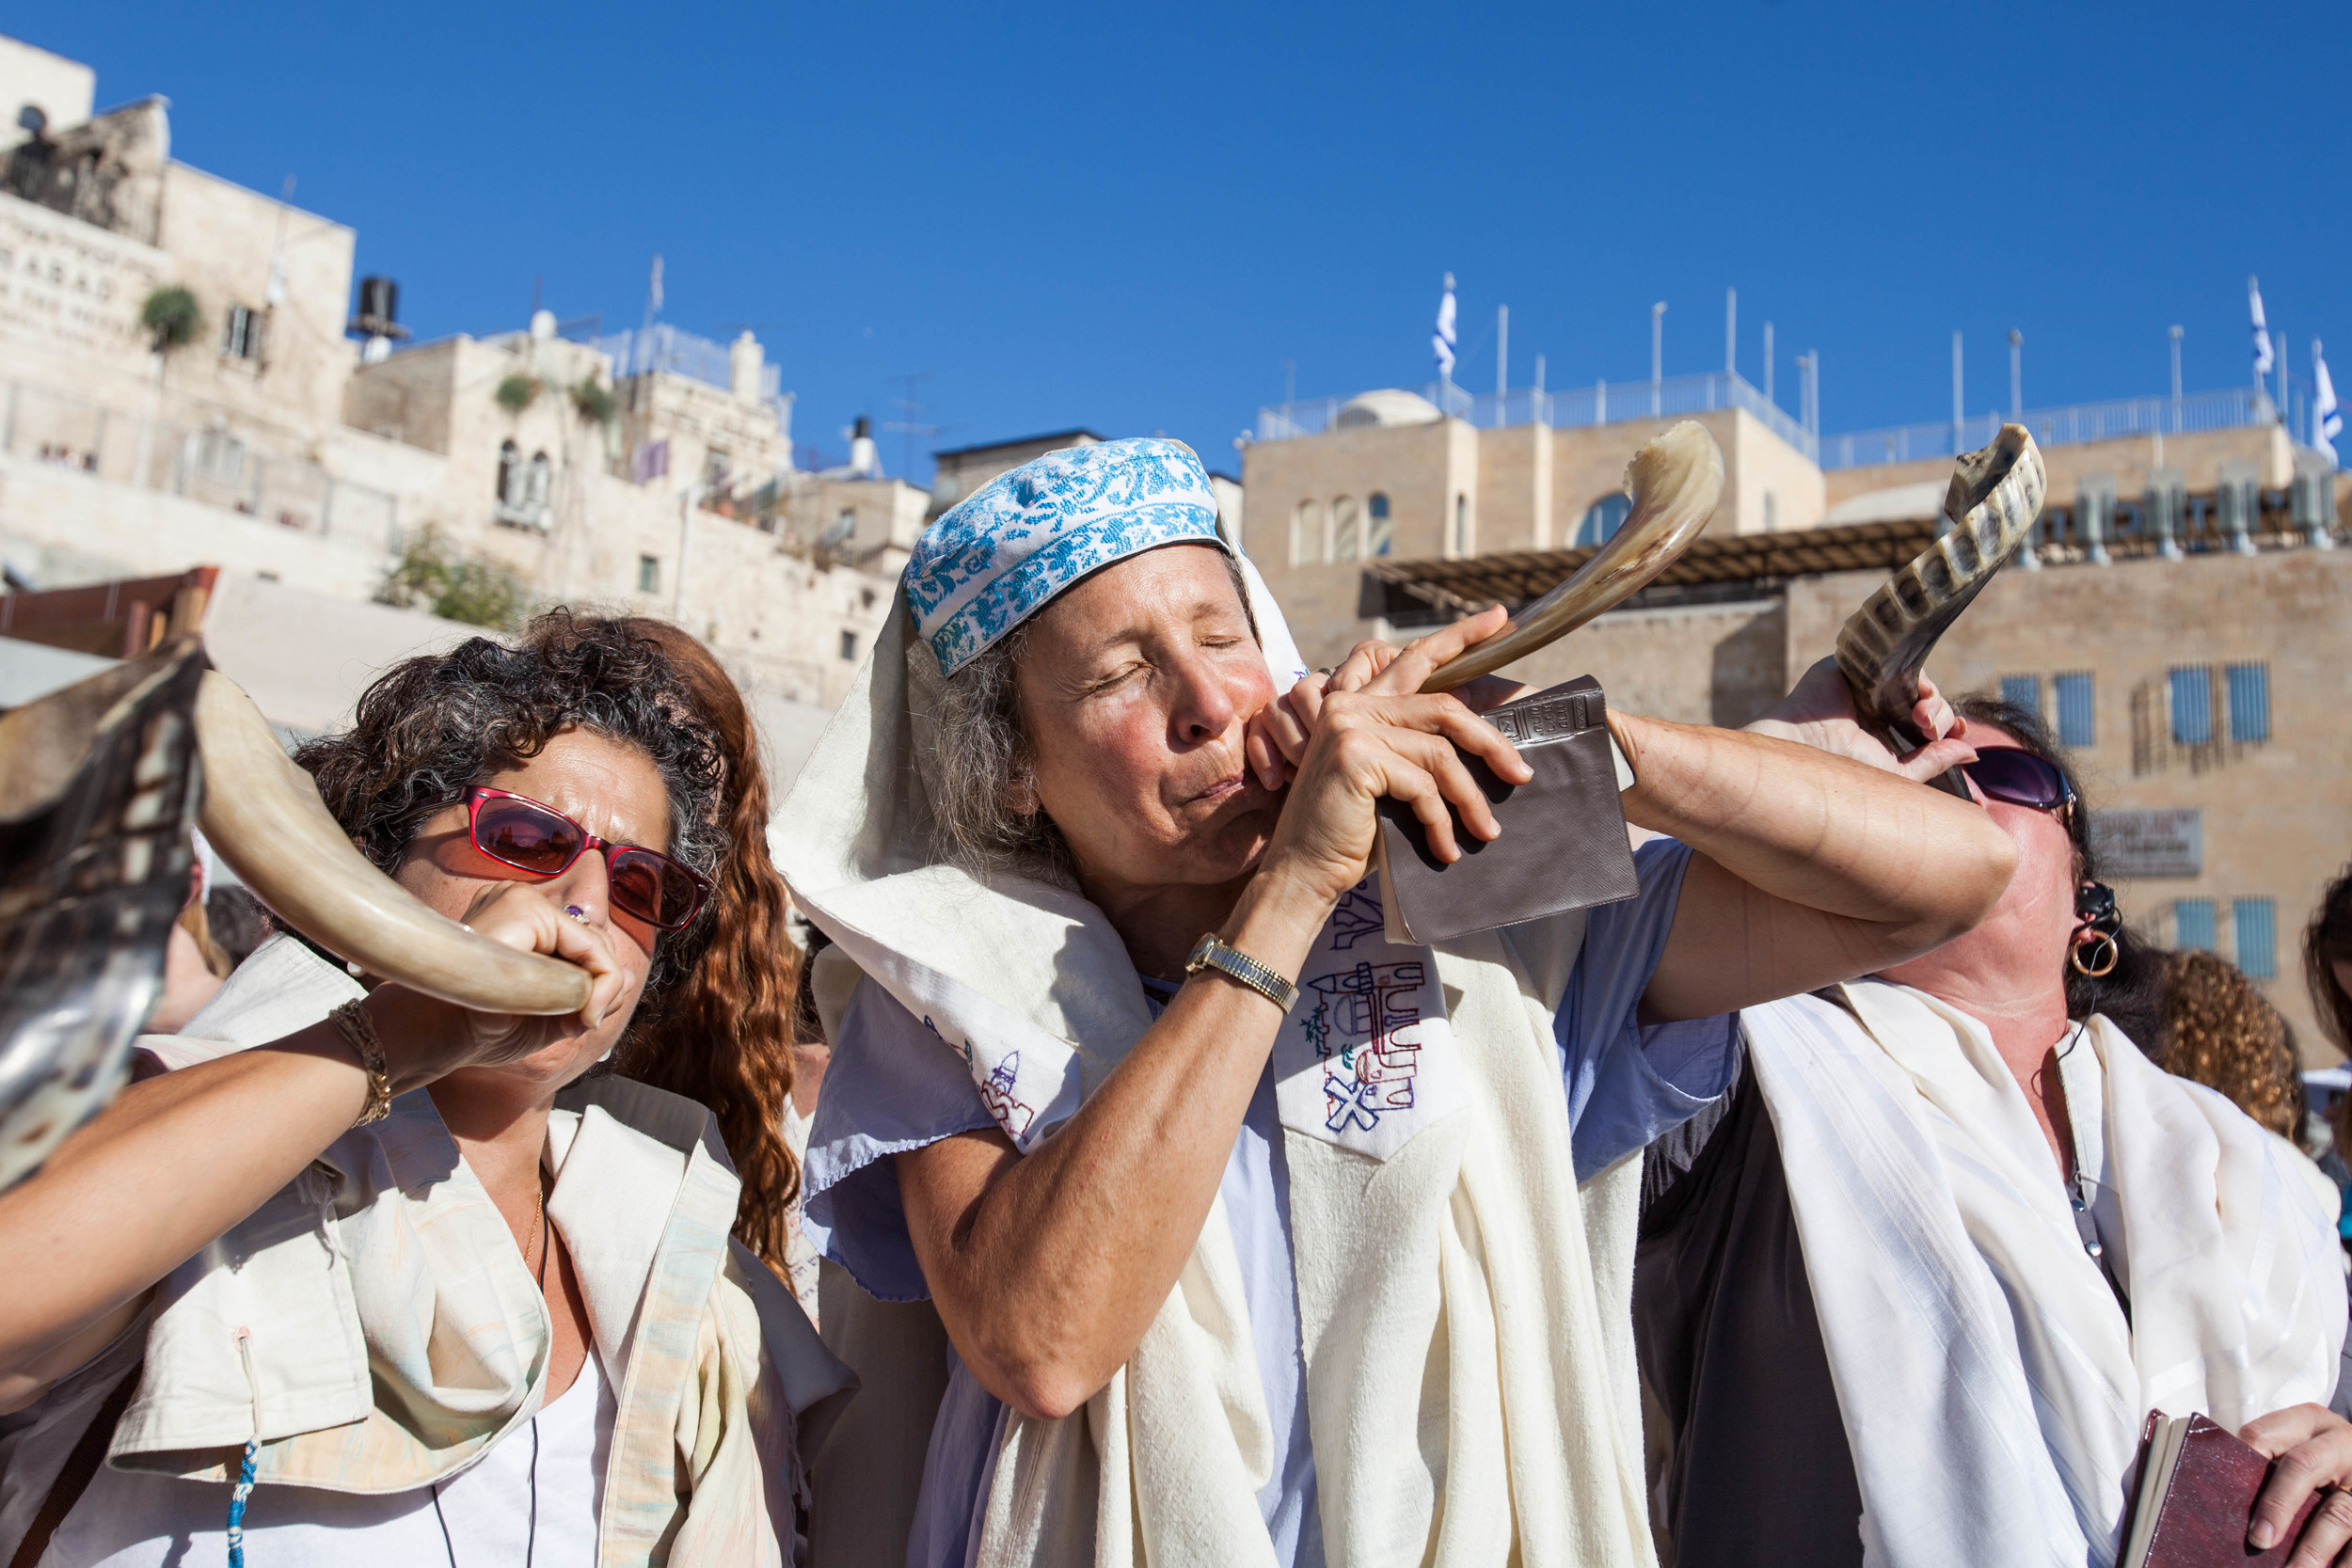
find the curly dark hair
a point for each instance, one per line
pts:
(2219, 1031)
(432, 727)
(2130, 995)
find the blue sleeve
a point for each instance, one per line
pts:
(892, 1085)
(1628, 1084)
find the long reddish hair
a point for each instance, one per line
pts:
(723, 1036)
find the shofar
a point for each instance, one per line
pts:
(95, 800)
(1994, 497)
(1675, 481)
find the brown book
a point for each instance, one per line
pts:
(2196, 1489)
(1563, 845)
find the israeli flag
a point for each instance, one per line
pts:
(2327, 424)
(2262, 329)
(1442, 339)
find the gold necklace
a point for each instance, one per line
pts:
(539, 1225)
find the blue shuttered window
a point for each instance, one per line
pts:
(2022, 691)
(2257, 936)
(2076, 723)
(2249, 703)
(2192, 705)
(2193, 923)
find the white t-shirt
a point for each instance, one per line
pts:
(133, 1520)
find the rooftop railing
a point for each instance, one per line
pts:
(1616, 402)
(2069, 425)
(1602, 402)
(663, 347)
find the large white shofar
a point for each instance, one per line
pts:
(263, 817)
(1675, 481)
(1995, 497)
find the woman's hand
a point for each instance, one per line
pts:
(425, 1038)
(1383, 739)
(1277, 736)
(2312, 1445)
(1818, 712)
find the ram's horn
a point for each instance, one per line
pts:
(1994, 497)
(1675, 481)
(264, 817)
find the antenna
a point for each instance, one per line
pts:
(907, 426)
(2016, 377)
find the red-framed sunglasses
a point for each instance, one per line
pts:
(535, 837)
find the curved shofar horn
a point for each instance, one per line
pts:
(1994, 497)
(1675, 481)
(264, 817)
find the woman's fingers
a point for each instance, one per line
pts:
(2313, 1450)
(1411, 666)
(1932, 715)
(1934, 758)
(1364, 661)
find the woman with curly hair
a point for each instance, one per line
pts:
(372, 1278)
(2220, 1032)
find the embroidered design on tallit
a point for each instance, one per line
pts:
(1366, 1059)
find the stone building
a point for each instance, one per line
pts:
(647, 471)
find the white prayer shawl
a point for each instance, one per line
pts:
(1990, 1388)
(1465, 1311)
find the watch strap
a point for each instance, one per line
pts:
(1211, 953)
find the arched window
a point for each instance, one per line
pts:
(535, 477)
(1380, 532)
(1344, 536)
(1306, 533)
(1461, 525)
(510, 478)
(1604, 518)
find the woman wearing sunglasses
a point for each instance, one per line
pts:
(371, 1279)
(1909, 1288)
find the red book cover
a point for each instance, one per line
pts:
(2207, 1502)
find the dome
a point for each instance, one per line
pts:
(1385, 409)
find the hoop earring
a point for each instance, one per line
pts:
(2099, 944)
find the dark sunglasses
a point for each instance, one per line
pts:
(2008, 773)
(516, 830)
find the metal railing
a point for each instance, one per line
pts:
(2069, 425)
(213, 464)
(663, 347)
(1607, 402)
(1601, 403)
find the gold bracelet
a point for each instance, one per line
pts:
(359, 1031)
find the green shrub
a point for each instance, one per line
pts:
(431, 574)
(516, 393)
(172, 316)
(593, 401)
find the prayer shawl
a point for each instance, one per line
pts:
(375, 1326)
(1464, 1311)
(1990, 1388)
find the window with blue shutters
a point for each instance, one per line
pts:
(2192, 924)
(2022, 691)
(2077, 724)
(2249, 702)
(2257, 936)
(2192, 705)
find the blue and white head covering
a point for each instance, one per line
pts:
(996, 557)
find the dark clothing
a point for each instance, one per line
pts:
(1724, 1322)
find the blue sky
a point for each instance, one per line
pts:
(1128, 218)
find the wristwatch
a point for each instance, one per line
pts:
(1209, 953)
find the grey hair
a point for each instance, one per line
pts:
(980, 758)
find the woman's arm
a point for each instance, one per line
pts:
(179, 1159)
(1048, 1269)
(1807, 868)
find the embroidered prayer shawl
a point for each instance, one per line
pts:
(375, 1324)
(1990, 1388)
(1464, 1311)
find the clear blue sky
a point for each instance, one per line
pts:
(1128, 218)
